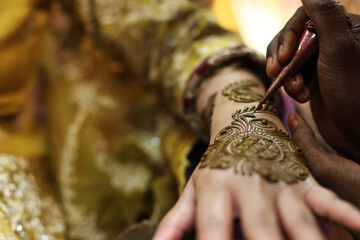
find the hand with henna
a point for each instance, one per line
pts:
(330, 82)
(251, 171)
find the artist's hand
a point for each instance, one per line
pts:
(332, 81)
(212, 200)
(337, 173)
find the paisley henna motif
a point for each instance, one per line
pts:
(252, 144)
(241, 91)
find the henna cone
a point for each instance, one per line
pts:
(307, 48)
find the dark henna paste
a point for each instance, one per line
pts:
(252, 144)
(241, 91)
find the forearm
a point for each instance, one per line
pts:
(224, 107)
(247, 141)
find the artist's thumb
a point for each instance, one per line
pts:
(304, 137)
(329, 19)
(339, 174)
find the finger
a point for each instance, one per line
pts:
(296, 218)
(355, 20)
(326, 204)
(213, 214)
(355, 28)
(287, 46)
(289, 36)
(322, 164)
(304, 136)
(273, 65)
(282, 47)
(257, 214)
(329, 19)
(295, 88)
(180, 219)
(301, 132)
(304, 95)
(339, 174)
(316, 157)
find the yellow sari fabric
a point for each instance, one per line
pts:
(93, 137)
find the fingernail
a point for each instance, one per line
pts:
(293, 83)
(269, 62)
(281, 50)
(292, 121)
(304, 95)
(306, 91)
(300, 97)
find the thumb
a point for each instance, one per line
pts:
(305, 138)
(337, 173)
(329, 20)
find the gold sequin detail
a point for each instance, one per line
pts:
(29, 214)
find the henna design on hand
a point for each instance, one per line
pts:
(241, 91)
(252, 144)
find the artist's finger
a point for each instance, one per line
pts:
(337, 173)
(304, 137)
(304, 95)
(326, 204)
(355, 28)
(299, 91)
(330, 22)
(287, 46)
(258, 214)
(213, 212)
(289, 36)
(273, 65)
(296, 218)
(295, 86)
(180, 219)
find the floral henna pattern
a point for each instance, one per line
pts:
(241, 91)
(252, 144)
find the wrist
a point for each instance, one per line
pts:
(218, 82)
(223, 117)
(217, 100)
(211, 97)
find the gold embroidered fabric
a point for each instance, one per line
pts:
(87, 101)
(170, 38)
(26, 212)
(21, 28)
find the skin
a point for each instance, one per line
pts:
(343, 179)
(213, 198)
(330, 82)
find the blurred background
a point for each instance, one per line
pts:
(258, 21)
